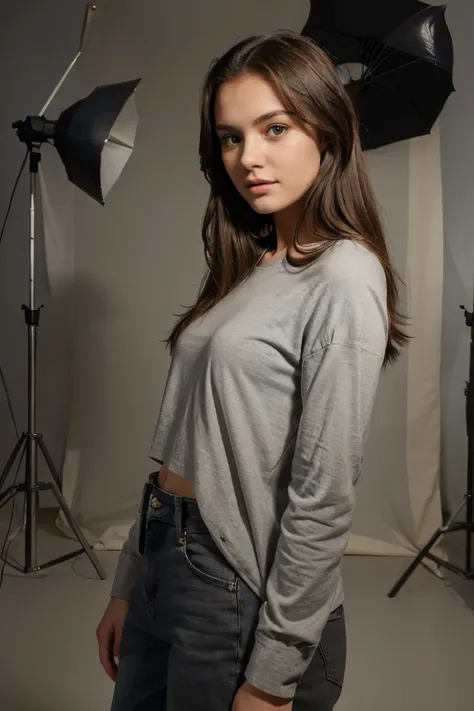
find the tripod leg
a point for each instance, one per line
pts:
(49, 462)
(441, 530)
(13, 456)
(56, 486)
(7, 496)
(415, 563)
(79, 535)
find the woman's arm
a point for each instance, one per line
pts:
(128, 566)
(339, 383)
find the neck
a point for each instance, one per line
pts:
(285, 226)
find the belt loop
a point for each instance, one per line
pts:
(178, 518)
(143, 517)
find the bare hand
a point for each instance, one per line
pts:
(248, 698)
(109, 635)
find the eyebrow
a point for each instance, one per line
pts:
(260, 119)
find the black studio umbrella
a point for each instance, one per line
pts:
(395, 58)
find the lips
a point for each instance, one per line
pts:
(260, 188)
(259, 182)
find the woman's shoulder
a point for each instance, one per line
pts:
(349, 299)
(347, 256)
(349, 264)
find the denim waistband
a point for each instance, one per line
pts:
(172, 509)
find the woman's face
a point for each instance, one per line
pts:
(275, 149)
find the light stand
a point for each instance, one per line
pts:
(31, 440)
(468, 525)
(94, 138)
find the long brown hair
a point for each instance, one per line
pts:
(340, 204)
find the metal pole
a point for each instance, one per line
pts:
(31, 478)
(470, 444)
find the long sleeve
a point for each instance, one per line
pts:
(338, 384)
(128, 566)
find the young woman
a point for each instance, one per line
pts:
(229, 589)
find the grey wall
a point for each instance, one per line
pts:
(457, 154)
(38, 41)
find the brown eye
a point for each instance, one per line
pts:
(278, 126)
(225, 139)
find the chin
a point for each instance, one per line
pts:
(264, 207)
(264, 210)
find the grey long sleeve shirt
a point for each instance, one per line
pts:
(266, 410)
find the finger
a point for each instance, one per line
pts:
(117, 642)
(117, 646)
(108, 664)
(106, 655)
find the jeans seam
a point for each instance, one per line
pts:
(239, 628)
(329, 677)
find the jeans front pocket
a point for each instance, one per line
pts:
(207, 562)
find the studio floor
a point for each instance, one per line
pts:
(411, 653)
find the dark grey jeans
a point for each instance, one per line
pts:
(189, 631)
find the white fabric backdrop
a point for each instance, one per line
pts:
(137, 261)
(414, 511)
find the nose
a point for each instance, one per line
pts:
(251, 155)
